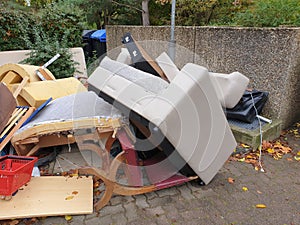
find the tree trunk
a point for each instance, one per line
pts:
(145, 13)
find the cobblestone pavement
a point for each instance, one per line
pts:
(220, 202)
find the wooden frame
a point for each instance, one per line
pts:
(107, 172)
(16, 121)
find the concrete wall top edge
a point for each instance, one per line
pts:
(212, 27)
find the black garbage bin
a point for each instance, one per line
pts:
(99, 42)
(87, 44)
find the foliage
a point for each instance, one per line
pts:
(194, 12)
(99, 13)
(225, 10)
(160, 12)
(14, 25)
(270, 13)
(45, 47)
(63, 19)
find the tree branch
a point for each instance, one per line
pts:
(129, 6)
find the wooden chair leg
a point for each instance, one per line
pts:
(109, 190)
(109, 186)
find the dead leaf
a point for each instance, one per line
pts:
(244, 188)
(261, 206)
(245, 146)
(297, 158)
(266, 145)
(68, 218)
(97, 193)
(74, 192)
(298, 153)
(69, 197)
(259, 192)
(230, 180)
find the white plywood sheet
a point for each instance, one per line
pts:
(50, 196)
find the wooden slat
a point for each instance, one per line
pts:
(20, 87)
(46, 196)
(16, 127)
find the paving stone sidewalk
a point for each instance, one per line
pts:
(220, 202)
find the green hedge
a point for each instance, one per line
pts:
(270, 13)
(14, 26)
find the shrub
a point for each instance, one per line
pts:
(63, 19)
(45, 47)
(270, 13)
(14, 25)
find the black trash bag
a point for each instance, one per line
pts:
(244, 110)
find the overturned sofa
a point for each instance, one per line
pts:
(184, 118)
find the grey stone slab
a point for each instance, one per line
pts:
(111, 210)
(185, 192)
(141, 201)
(107, 220)
(168, 192)
(131, 211)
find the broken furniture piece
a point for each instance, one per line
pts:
(50, 196)
(28, 88)
(20, 75)
(98, 130)
(229, 87)
(186, 117)
(36, 93)
(11, 73)
(140, 58)
(57, 123)
(11, 117)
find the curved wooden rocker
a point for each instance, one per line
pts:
(128, 158)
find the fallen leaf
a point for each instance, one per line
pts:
(69, 197)
(298, 153)
(289, 159)
(74, 192)
(245, 146)
(97, 193)
(259, 192)
(297, 158)
(230, 180)
(245, 188)
(260, 206)
(68, 218)
(241, 160)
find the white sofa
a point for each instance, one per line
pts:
(186, 111)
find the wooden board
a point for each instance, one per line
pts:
(50, 196)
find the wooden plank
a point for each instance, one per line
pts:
(141, 59)
(45, 74)
(50, 196)
(21, 86)
(15, 128)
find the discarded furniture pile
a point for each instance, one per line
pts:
(141, 125)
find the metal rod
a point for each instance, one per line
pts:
(172, 41)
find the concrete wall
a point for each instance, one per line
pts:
(269, 57)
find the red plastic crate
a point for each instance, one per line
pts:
(15, 171)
